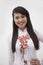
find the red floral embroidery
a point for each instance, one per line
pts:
(24, 43)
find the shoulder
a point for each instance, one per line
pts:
(39, 35)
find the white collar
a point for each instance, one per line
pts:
(21, 33)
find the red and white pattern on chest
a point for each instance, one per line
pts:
(24, 42)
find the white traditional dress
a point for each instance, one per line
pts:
(25, 49)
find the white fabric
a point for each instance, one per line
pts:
(30, 52)
(39, 35)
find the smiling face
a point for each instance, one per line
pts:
(20, 20)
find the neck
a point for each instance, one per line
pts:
(22, 29)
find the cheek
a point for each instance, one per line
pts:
(25, 20)
(15, 21)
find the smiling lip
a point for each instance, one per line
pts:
(21, 23)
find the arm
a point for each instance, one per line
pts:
(39, 35)
(37, 61)
(11, 57)
(10, 54)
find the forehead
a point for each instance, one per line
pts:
(18, 14)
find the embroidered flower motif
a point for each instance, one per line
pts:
(24, 43)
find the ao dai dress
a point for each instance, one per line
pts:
(25, 49)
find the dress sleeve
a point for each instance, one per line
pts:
(40, 38)
(39, 35)
(11, 57)
(10, 53)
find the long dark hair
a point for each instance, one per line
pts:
(30, 30)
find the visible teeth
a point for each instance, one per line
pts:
(21, 23)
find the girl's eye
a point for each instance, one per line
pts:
(17, 17)
(23, 16)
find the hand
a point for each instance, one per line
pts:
(35, 62)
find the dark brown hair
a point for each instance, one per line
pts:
(30, 30)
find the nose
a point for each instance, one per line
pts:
(20, 19)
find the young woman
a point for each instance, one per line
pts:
(25, 41)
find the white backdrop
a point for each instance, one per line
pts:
(35, 8)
